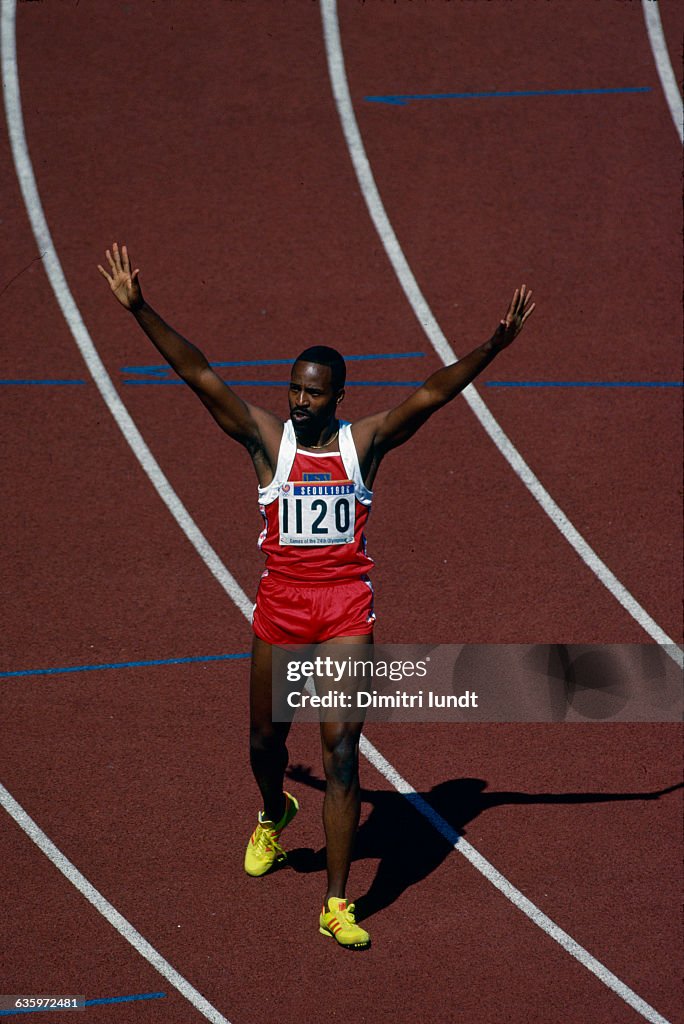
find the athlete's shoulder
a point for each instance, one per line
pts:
(364, 430)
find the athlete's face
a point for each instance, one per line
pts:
(313, 400)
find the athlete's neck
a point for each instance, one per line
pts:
(325, 439)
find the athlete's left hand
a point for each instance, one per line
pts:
(519, 311)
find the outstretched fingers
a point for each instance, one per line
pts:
(105, 274)
(126, 265)
(526, 304)
(117, 256)
(522, 304)
(119, 268)
(114, 278)
(521, 294)
(507, 320)
(529, 309)
(513, 308)
(519, 311)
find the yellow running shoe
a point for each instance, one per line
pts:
(339, 922)
(263, 849)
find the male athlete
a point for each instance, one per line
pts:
(315, 475)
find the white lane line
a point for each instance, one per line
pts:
(436, 337)
(110, 913)
(72, 315)
(70, 311)
(128, 428)
(656, 38)
(501, 883)
(426, 319)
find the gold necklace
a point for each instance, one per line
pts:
(329, 441)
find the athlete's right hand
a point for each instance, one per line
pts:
(123, 283)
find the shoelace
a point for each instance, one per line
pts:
(266, 839)
(347, 914)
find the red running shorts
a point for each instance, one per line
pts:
(287, 613)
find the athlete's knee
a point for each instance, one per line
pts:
(341, 758)
(265, 739)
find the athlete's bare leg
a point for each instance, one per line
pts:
(340, 746)
(342, 802)
(267, 739)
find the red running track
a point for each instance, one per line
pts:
(212, 146)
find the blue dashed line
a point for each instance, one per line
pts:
(401, 100)
(583, 384)
(44, 383)
(285, 383)
(165, 368)
(122, 664)
(125, 999)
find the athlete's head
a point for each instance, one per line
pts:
(316, 389)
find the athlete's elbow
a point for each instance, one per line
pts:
(435, 396)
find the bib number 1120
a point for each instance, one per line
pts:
(313, 514)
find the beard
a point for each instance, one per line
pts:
(306, 428)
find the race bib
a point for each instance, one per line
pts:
(317, 513)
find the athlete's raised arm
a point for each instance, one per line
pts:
(380, 433)
(246, 423)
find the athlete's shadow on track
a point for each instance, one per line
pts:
(408, 847)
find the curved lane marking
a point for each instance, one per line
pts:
(437, 339)
(340, 88)
(72, 315)
(108, 911)
(24, 169)
(501, 883)
(132, 435)
(661, 56)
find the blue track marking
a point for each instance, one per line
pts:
(163, 374)
(62, 670)
(286, 383)
(583, 384)
(125, 999)
(403, 99)
(45, 383)
(164, 367)
(88, 1002)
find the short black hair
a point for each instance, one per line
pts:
(325, 356)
